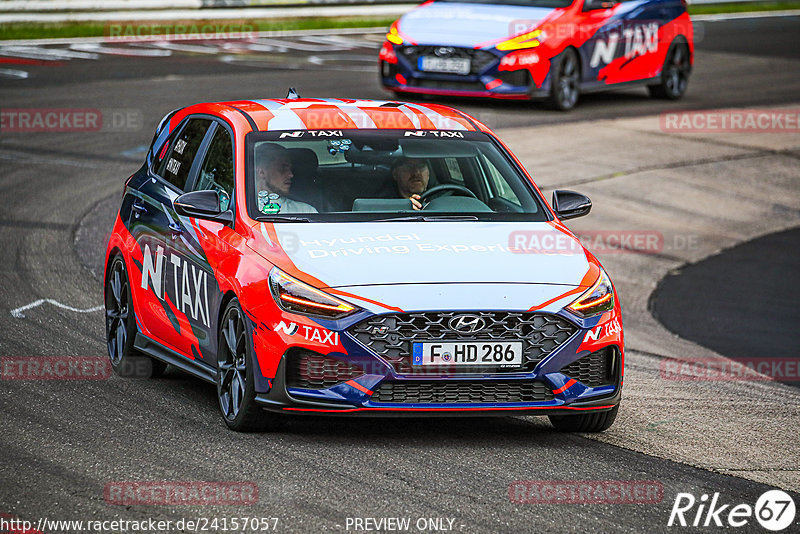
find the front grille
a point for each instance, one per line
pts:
(425, 392)
(480, 59)
(595, 369)
(310, 370)
(391, 337)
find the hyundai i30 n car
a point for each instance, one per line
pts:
(539, 49)
(349, 257)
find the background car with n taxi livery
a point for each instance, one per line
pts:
(539, 49)
(480, 303)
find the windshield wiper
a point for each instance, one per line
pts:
(282, 218)
(428, 218)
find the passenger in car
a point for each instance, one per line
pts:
(273, 169)
(411, 176)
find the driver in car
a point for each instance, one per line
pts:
(274, 181)
(411, 175)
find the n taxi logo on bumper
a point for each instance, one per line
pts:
(313, 334)
(597, 333)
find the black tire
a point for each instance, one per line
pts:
(565, 82)
(674, 74)
(235, 381)
(126, 361)
(585, 422)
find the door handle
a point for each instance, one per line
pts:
(138, 207)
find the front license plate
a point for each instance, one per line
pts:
(450, 65)
(494, 353)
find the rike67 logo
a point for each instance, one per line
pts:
(774, 510)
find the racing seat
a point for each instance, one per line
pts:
(306, 186)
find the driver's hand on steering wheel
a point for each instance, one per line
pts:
(416, 201)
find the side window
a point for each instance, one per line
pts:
(217, 170)
(175, 167)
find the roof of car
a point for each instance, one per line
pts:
(335, 114)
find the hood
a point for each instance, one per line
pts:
(357, 254)
(456, 24)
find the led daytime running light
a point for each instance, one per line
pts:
(298, 297)
(520, 42)
(590, 304)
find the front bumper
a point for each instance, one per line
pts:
(403, 75)
(372, 375)
(283, 400)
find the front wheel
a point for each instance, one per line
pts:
(565, 82)
(121, 327)
(674, 74)
(235, 380)
(585, 422)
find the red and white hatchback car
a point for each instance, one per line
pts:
(352, 257)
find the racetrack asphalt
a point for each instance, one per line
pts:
(741, 303)
(63, 441)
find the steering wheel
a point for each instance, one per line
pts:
(440, 190)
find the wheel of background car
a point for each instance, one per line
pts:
(585, 422)
(674, 74)
(564, 90)
(121, 327)
(439, 190)
(235, 379)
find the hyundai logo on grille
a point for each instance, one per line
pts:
(444, 51)
(467, 324)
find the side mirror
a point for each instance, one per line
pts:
(590, 5)
(202, 205)
(569, 204)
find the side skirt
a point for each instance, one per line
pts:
(159, 352)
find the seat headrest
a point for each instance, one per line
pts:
(304, 161)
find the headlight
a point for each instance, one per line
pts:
(597, 299)
(298, 297)
(394, 35)
(520, 42)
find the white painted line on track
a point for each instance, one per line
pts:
(270, 33)
(44, 54)
(18, 312)
(294, 45)
(14, 74)
(138, 52)
(336, 40)
(175, 47)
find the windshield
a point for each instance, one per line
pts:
(369, 175)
